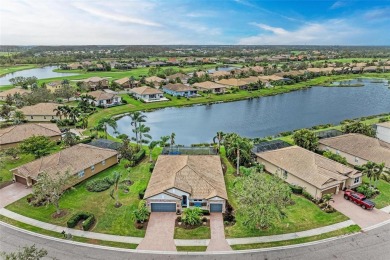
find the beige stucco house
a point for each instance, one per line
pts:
(317, 174)
(148, 94)
(211, 86)
(41, 112)
(183, 181)
(13, 91)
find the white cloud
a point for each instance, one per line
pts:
(328, 32)
(338, 4)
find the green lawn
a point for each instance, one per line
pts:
(9, 69)
(340, 232)
(201, 232)
(191, 248)
(303, 215)
(383, 199)
(110, 220)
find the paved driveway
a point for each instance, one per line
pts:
(12, 193)
(160, 232)
(217, 241)
(364, 218)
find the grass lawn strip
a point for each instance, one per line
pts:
(59, 235)
(201, 232)
(191, 248)
(11, 69)
(344, 231)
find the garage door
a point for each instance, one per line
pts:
(163, 207)
(329, 191)
(20, 180)
(216, 207)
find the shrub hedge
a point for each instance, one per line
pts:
(138, 157)
(296, 189)
(99, 185)
(89, 220)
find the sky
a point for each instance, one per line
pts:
(162, 22)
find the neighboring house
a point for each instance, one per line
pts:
(127, 83)
(12, 136)
(317, 174)
(95, 83)
(40, 112)
(185, 181)
(242, 83)
(181, 76)
(108, 144)
(210, 86)
(13, 91)
(155, 81)
(383, 131)
(81, 161)
(358, 149)
(52, 86)
(220, 74)
(104, 99)
(148, 94)
(179, 89)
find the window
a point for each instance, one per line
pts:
(284, 174)
(81, 174)
(52, 117)
(32, 117)
(92, 167)
(356, 159)
(104, 162)
(356, 180)
(44, 117)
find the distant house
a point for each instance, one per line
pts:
(240, 83)
(220, 74)
(155, 81)
(12, 136)
(81, 160)
(75, 66)
(95, 83)
(127, 83)
(104, 99)
(148, 94)
(358, 149)
(181, 76)
(210, 86)
(186, 181)
(317, 174)
(41, 112)
(383, 131)
(52, 86)
(179, 89)
(107, 144)
(13, 91)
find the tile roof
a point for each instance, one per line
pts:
(13, 91)
(94, 79)
(367, 148)
(73, 159)
(208, 85)
(101, 95)
(40, 109)
(146, 91)
(178, 87)
(313, 168)
(154, 79)
(18, 133)
(384, 124)
(199, 175)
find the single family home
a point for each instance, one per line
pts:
(41, 112)
(210, 86)
(95, 83)
(104, 99)
(12, 92)
(127, 83)
(148, 94)
(179, 89)
(154, 81)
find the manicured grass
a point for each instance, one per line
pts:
(303, 215)
(59, 235)
(344, 231)
(383, 199)
(201, 232)
(191, 248)
(110, 220)
(9, 69)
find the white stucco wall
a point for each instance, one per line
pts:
(383, 133)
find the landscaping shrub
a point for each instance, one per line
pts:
(151, 167)
(89, 220)
(335, 157)
(192, 216)
(99, 185)
(367, 190)
(384, 119)
(296, 189)
(307, 195)
(205, 212)
(141, 194)
(88, 223)
(138, 157)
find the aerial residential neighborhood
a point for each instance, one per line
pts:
(237, 129)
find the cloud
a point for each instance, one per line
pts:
(378, 14)
(334, 31)
(338, 4)
(245, 2)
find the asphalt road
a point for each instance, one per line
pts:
(372, 245)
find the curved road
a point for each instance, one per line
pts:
(374, 244)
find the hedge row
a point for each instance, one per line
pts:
(89, 220)
(99, 185)
(296, 189)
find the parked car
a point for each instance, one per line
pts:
(359, 199)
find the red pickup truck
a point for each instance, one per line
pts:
(359, 199)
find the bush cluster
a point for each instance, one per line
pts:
(137, 158)
(307, 195)
(89, 220)
(99, 185)
(296, 189)
(367, 190)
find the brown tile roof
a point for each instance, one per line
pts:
(199, 175)
(94, 79)
(154, 79)
(40, 109)
(122, 80)
(73, 159)
(384, 124)
(233, 82)
(208, 85)
(177, 75)
(18, 133)
(146, 91)
(270, 78)
(367, 148)
(13, 91)
(221, 73)
(313, 168)
(101, 95)
(178, 87)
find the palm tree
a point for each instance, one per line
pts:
(172, 137)
(58, 111)
(74, 113)
(143, 131)
(327, 198)
(84, 120)
(114, 191)
(136, 119)
(18, 117)
(164, 140)
(151, 146)
(219, 137)
(373, 171)
(104, 122)
(240, 147)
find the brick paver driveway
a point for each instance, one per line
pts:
(160, 232)
(217, 241)
(363, 218)
(12, 193)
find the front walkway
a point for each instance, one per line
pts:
(217, 241)
(363, 218)
(160, 232)
(12, 193)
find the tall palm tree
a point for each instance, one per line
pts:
(114, 192)
(143, 131)
(219, 137)
(164, 140)
(104, 122)
(18, 117)
(172, 137)
(58, 111)
(137, 118)
(240, 147)
(373, 171)
(151, 146)
(74, 113)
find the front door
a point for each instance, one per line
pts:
(184, 201)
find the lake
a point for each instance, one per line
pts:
(267, 116)
(41, 73)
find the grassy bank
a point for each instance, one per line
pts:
(10, 69)
(196, 233)
(191, 248)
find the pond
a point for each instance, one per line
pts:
(267, 116)
(41, 73)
